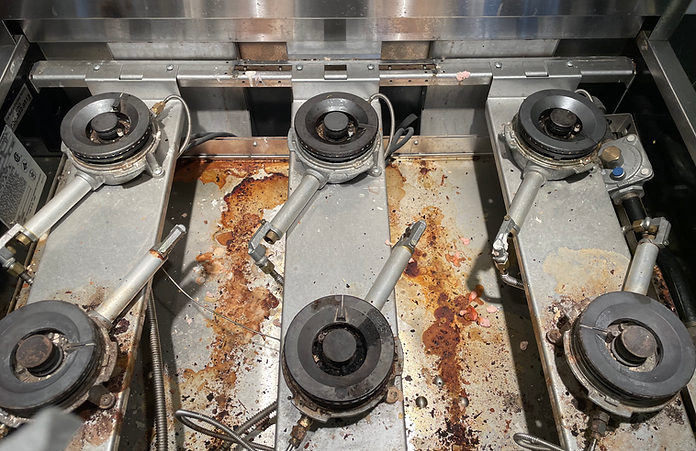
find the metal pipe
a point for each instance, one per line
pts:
(57, 207)
(135, 280)
(525, 196)
(396, 264)
(297, 201)
(641, 271)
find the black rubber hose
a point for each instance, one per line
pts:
(200, 138)
(162, 441)
(634, 209)
(679, 286)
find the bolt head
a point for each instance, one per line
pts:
(170, 67)
(254, 144)
(299, 67)
(645, 172)
(498, 64)
(415, 143)
(631, 138)
(554, 337)
(96, 67)
(421, 402)
(569, 64)
(370, 66)
(439, 381)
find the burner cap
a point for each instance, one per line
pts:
(560, 124)
(339, 352)
(37, 368)
(336, 127)
(106, 128)
(632, 349)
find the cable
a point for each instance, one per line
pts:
(527, 441)
(402, 128)
(584, 92)
(185, 416)
(159, 106)
(162, 441)
(205, 307)
(379, 95)
(200, 138)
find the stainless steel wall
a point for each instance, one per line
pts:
(325, 20)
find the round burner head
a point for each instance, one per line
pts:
(629, 348)
(106, 128)
(560, 124)
(338, 357)
(37, 368)
(336, 127)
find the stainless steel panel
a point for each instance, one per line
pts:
(11, 58)
(87, 254)
(172, 50)
(218, 109)
(572, 250)
(224, 74)
(494, 47)
(674, 85)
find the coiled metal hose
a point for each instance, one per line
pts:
(162, 441)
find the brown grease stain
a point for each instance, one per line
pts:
(444, 296)
(245, 205)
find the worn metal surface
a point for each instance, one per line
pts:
(213, 366)
(227, 74)
(278, 21)
(674, 85)
(226, 372)
(277, 147)
(571, 250)
(442, 301)
(11, 58)
(84, 258)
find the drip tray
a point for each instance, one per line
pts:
(469, 347)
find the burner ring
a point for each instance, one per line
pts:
(64, 378)
(644, 357)
(336, 127)
(560, 124)
(106, 128)
(337, 378)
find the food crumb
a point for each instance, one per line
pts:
(523, 345)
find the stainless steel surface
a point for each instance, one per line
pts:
(669, 20)
(226, 74)
(328, 252)
(314, 21)
(640, 273)
(11, 58)
(111, 308)
(70, 268)
(487, 48)
(674, 85)
(571, 251)
(59, 206)
(172, 50)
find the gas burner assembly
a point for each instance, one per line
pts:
(53, 353)
(554, 135)
(340, 356)
(110, 139)
(335, 137)
(631, 353)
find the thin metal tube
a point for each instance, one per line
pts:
(386, 100)
(185, 144)
(229, 435)
(57, 207)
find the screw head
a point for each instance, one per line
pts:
(439, 381)
(645, 172)
(463, 401)
(96, 67)
(370, 66)
(498, 64)
(569, 64)
(299, 67)
(421, 402)
(554, 337)
(415, 143)
(254, 144)
(170, 67)
(631, 138)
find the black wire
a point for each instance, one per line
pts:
(200, 138)
(400, 139)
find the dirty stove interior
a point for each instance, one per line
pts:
(478, 275)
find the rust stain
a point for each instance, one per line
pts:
(263, 186)
(435, 283)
